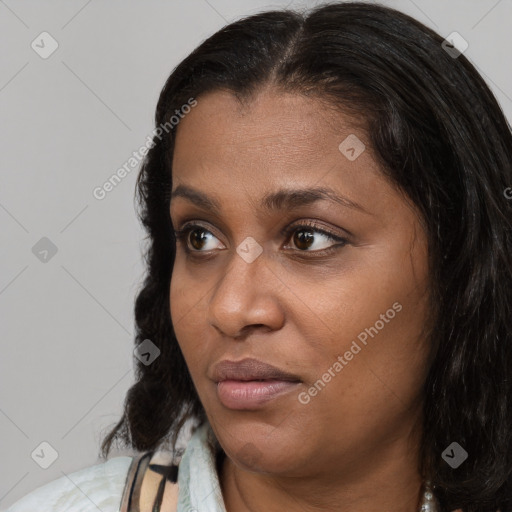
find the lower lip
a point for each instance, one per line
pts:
(252, 394)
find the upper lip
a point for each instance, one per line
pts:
(249, 369)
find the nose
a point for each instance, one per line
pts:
(246, 298)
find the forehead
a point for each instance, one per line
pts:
(272, 123)
(274, 140)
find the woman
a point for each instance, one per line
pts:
(329, 279)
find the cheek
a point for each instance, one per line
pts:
(186, 293)
(185, 309)
(372, 363)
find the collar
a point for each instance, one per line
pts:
(199, 486)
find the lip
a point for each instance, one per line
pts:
(250, 369)
(250, 383)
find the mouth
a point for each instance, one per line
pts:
(250, 384)
(250, 370)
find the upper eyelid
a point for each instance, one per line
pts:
(193, 224)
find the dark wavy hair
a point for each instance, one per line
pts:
(440, 137)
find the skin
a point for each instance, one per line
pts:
(356, 442)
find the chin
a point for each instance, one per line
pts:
(263, 448)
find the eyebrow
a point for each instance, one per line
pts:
(283, 199)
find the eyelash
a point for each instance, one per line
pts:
(182, 233)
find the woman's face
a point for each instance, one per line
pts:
(337, 306)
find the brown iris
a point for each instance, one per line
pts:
(197, 236)
(303, 238)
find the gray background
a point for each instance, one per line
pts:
(68, 123)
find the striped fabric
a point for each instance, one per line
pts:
(146, 481)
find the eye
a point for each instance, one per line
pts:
(307, 234)
(196, 236)
(307, 237)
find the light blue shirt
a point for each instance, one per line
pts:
(199, 486)
(101, 486)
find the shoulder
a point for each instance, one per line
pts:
(95, 487)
